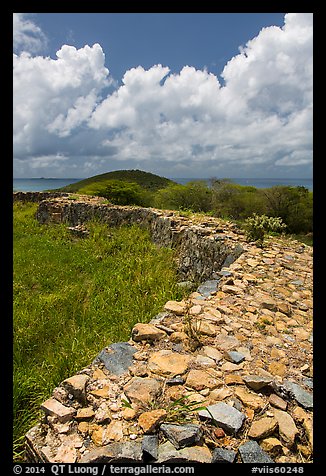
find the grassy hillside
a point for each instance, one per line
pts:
(73, 297)
(146, 180)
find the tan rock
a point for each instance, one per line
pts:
(128, 413)
(142, 390)
(85, 413)
(305, 450)
(212, 313)
(195, 310)
(269, 303)
(299, 414)
(97, 436)
(262, 428)
(230, 367)
(272, 445)
(83, 427)
(178, 308)
(308, 427)
(233, 379)
(102, 414)
(205, 328)
(66, 454)
(287, 428)
(148, 421)
(177, 337)
(98, 374)
(54, 408)
(212, 353)
(114, 431)
(229, 289)
(301, 334)
(277, 353)
(302, 417)
(225, 342)
(284, 307)
(146, 332)
(76, 386)
(203, 361)
(277, 402)
(201, 379)
(277, 368)
(101, 392)
(249, 399)
(219, 394)
(168, 363)
(195, 454)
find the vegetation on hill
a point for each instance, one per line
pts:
(146, 180)
(73, 297)
(221, 198)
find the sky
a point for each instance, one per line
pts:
(193, 95)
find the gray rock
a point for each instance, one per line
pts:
(257, 382)
(175, 380)
(234, 356)
(117, 358)
(185, 285)
(208, 287)
(308, 382)
(125, 452)
(227, 417)
(305, 399)
(159, 317)
(225, 273)
(221, 455)
(251, 452)
(182, 435)
(150, 447)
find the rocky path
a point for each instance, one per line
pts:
(223, 376)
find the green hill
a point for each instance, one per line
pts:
(146, 180)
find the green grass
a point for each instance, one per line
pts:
(146, 180)
(73, 297)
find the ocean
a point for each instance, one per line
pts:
(41, 184)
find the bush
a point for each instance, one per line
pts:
(236, 201)
(194, 196)
(258, 225)
(120, 192)
(293, 204)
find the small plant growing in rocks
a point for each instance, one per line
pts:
(257, 226)
(183, 409)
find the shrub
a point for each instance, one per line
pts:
(258, 225)
(120, 192)
(293, 204)
(194, 196)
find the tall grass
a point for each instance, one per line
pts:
(73, 297)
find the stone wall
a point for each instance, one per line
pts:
(241, 346)
(202, 248)
(36, 196)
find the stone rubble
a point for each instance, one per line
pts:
(242, 351)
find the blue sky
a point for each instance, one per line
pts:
(181, 95)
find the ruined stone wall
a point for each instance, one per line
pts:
(36, 196)
(241, 346)
(202, 248)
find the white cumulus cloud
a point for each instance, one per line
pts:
(260, 116)
(27, 35)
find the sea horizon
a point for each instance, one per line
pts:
(39, 184)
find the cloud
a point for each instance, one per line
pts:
(261, 117)
(27, 36)
(54, 97)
